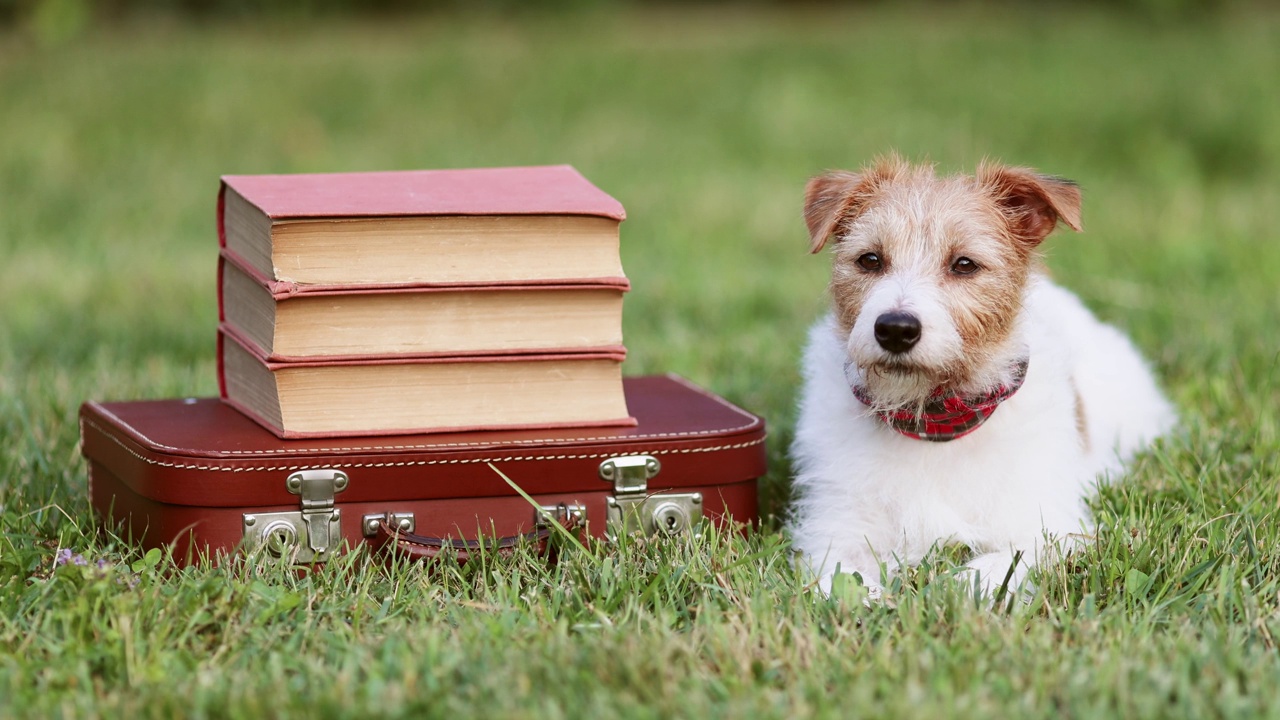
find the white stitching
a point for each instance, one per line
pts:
(426, 446)
(454, 461)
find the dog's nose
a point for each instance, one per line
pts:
(897, 332)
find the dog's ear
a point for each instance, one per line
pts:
(1032, 203)
(832, 198)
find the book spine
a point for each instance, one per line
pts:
(222, 378)
(222, 210)
(222, 313)
(222, 371)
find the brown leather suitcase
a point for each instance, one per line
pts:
(197, 474)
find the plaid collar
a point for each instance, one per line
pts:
(945, 415)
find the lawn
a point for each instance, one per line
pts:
(705, 124)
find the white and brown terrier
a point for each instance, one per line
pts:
(954, 394)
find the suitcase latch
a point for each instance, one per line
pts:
(309, 534)
(633, 509)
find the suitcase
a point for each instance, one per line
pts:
(198, 475)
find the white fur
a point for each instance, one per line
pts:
(868, 495)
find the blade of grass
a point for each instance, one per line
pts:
(557, 527)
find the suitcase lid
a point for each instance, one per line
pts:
(204, 452)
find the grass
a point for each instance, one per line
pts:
(705, 123)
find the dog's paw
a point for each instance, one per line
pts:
(994, 569)
(847, 586)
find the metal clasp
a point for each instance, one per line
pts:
(633, 509)
(318, 521)
(565, 513)
(400, 521)
(317, 488)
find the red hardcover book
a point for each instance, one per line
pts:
(286, 322)
(474, 226)
(396, 396)
(196, 474)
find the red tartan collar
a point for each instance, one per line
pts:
(945, 415)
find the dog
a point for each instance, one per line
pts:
(954, 393)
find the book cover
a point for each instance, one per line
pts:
(534, 190)
(487, 225)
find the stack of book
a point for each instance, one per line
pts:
(420, 301)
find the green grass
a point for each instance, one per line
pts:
(705, 124)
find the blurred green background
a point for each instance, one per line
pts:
(704, 120)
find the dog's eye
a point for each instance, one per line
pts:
(869, 262)
(964, 266)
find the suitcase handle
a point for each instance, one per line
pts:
(393, 541)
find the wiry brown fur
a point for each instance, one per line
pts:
(908, 215)
(836, 198)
